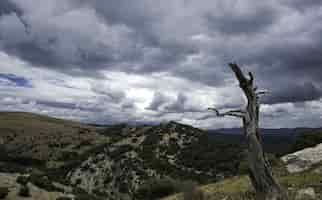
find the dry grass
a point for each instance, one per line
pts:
(9, 181)
(44, 138)
(239, 188)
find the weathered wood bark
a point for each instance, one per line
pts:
(266, 187)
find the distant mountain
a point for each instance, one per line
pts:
(265, 131)
(276, 141)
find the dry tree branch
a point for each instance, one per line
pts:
(262, 92)
(232, 113)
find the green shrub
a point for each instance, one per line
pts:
(3, 192)
(243, 167)
(22, 180)
(24, 191)
(44, 183)
(306, 140)
(67, 156)
(81, 194)
(63, 198)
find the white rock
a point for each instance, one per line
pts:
(306, 194)
(304, 159)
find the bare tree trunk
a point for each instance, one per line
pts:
(260, 173)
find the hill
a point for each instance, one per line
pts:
(116, 161)
(60, 158)
(40, 140)
(267, 131)
(146, 153)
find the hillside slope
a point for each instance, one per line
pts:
(115, 161)
(120, 162)
(40, 140)
(300, 173)
(141, 153)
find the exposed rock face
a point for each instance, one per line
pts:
(304, 159)
(126, 164)
(306, 194)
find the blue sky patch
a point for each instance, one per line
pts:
(15, 80)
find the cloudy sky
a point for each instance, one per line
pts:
(148, 61)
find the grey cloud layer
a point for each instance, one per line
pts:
(279, 40)
(7, 7)
(146, 36)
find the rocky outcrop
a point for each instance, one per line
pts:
(132, 160)
(304, 159)
(306, 194)
(143, 154)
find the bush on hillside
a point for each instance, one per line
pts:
(3, 192)
(63, 198)
(22, 180)
(158, 188)
(24, 191)
(44, 183)
(81, 194)
(243, 167)
(67, 155)
(306, 140)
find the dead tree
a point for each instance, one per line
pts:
(260, 173)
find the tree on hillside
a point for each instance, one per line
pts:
(260, 173)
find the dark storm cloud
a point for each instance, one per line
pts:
(303, 5)
(66, 105)
(48, 51)
(7, 7)
(294, 93)
(133, 14)
(145, 36)
(138, 49)
(292, 71)
(33, 53)
(55, 104)
(296, 58)
(45, 54)
(249, 23)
